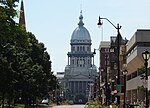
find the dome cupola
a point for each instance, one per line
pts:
(80, 34)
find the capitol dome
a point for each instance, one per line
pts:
(80, 34)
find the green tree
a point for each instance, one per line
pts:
(24, 62)
(12, 36)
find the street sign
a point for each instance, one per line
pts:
(118, 89)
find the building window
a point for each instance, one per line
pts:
(88, 62)
(106, 49)
(134, 74)
(72, 61)
(129, 77)
(72, 48)
(88, 48)
(83, 48)
(83, 63)
(78, 48)
(77, 62)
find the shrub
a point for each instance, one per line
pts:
(19, 106)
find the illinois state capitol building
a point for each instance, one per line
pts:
(80, 71)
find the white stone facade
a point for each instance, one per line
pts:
(80, 71)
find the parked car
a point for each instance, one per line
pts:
(44, 101)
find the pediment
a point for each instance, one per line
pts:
(79, 76)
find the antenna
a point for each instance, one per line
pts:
(81, 4)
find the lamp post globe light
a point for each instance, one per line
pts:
(146, 56)
(118, 27)
(125, 72)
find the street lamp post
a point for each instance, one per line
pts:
(145, 56)
(118, 27)
(124, 74)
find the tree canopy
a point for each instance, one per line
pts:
(24, 62)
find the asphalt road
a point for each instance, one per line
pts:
(69, 106)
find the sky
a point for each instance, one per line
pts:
(53, 21)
